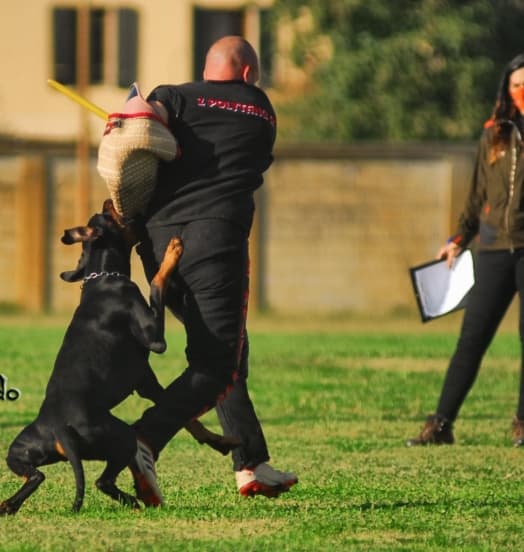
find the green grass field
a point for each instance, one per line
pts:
(337, 401)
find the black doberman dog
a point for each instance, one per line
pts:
(102, 360)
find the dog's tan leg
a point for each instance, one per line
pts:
(172, 255)
(13, 504)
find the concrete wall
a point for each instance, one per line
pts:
(341, 231)
(337, 228)
(341, 234)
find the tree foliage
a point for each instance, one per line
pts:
(398, 71)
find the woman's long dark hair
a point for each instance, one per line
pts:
(503, 110)
(504, 106)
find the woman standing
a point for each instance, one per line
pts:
(494, 211)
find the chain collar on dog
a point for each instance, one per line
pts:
(94, 275)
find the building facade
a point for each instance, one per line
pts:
(336, 228)
(100, 48)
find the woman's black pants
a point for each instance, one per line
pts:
(498, 276)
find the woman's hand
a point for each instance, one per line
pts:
(449, 252)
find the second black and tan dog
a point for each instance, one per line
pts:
(102, 360)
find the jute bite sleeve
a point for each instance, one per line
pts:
(128, 157)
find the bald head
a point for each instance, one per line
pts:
(231, 58)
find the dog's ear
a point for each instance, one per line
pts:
(132, 230)
(72, 275)
(109, 209)
(81, 234)
(79, 272)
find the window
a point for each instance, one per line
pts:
(111, 49)
(127, 47)
(210, 25)
(64, 45)
(267, 52)
(96, 46)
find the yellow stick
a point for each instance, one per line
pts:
(78, 99)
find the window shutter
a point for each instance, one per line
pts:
(96, 46)
(208, 27)
(127, 47)
(266, 48)
(64, 45)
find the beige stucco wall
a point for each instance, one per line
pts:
(9, 168)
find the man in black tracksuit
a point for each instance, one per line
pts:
(225, 127)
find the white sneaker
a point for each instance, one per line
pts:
(144, 475)
(264, 480)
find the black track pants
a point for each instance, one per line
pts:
(212, 279)
(238, 417)
(499, 275)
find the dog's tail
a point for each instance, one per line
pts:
(67, 439)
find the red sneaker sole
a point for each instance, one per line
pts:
(254, 488)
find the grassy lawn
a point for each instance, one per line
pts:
(337, 399)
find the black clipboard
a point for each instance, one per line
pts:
(440, 290)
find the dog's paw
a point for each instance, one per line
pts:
(224, 443)
(7, 509)
(173, 251)
(158, 346)
(129, 501)
(171, 257)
